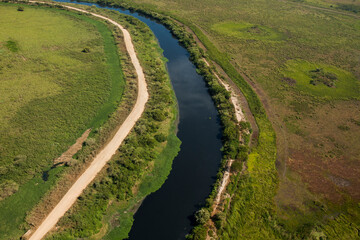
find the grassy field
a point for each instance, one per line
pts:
(142, 163)
(303, 63)
(52, 89)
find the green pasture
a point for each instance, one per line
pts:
(323, 39)
(50, 92)
(245, 30)
(346, 85)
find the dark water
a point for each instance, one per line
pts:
(166, 214)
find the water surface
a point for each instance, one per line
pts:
(166, 214)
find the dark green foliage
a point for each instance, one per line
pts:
(12, 46)
(158, 115)
(160, 137)
(349, 7)
(198, 233)
(319, 76)
(20, 8)
(344, 127)
(219, 219)
(236, 166)
(86, 50)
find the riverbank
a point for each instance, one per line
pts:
(154, 153)
(220, 96)
(108, 150)
(295, 115)
(51, 92)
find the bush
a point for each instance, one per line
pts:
(198, 233)
(349, 7)
(158, 115)
(19, 160)
(160, 137)
(202, 216)
(20, 9)
(86, 50)
(219, 219)
(7, 188)
(89, 142)
(236, 166)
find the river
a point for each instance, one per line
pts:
(167, 213)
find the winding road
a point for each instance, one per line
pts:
(109, 150)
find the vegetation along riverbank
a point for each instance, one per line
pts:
(158, 141)
(278, 64)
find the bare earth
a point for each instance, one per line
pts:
(67, 156)
(109, 150)
(239, 117)
(234, 98)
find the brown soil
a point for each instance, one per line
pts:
(328, 157)
(67, 156)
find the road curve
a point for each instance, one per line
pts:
(109, 150)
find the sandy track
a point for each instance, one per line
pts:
(109, 150)
(234, 98)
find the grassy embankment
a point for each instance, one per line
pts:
(262, 159)
(143, 161)
(51, 91)
(266, 40)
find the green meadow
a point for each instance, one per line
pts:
(302, 63)
(60, 74)
(343, 86)
(244, 30)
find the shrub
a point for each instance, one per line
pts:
(19, 160)
(12, 46)
(202, 216)
(349, 7)
(158, 115)
(344, 128)
(198, 233)
(7, 188)
(219, 219)
(20, 9)
(236, 166)
(89, 142)
(160, 137)
(86, 50)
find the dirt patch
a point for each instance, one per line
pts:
(289, 81)
(330, 178)
(67, 156)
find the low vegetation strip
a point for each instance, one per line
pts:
(109, 150)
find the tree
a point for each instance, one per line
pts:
(202, 216)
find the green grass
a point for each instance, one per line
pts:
(244, 30)
(149, 184)
(311, 35)
(12, 46)
(141, 161)
(14, 208)
(50, 93)
(346, 85)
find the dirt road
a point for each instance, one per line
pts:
(109, 150)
